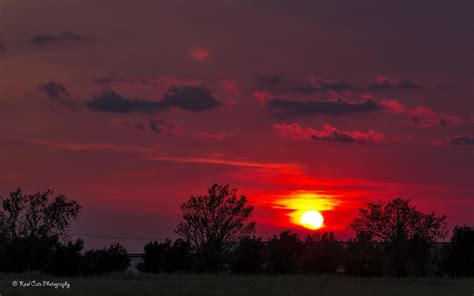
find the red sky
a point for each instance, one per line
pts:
(132, 106)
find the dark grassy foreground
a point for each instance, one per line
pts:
(190, 284)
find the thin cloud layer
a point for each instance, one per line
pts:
(329, 133)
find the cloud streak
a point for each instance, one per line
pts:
(152, 153)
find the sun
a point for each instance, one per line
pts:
(312, 220)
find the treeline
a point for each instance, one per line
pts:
(321, 254)
(392, 239)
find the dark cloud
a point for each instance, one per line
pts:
(54, 89)
(113, 102)
(56, 39)
(190, 98)
(383, 82)
(160, 126)
(462, 141)
(317, 106)
(58, 94)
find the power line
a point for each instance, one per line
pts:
(117, 237)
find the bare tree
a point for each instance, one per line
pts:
(398, 218)
(406, 232)
(36, 216)
(213, 223)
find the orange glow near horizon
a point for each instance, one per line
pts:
(305, 207)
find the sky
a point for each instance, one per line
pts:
(132, 106)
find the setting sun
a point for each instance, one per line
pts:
(304, 207)
(312, 220)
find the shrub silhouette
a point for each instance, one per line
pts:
(284, 253)
(154, 258)
(460, 254)
(179, 257)
(106, 260)
(66, 259)
(248, 256)
(322, 253)
(212, 223)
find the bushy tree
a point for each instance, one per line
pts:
(179, 257)
(406, 232)
(101, 261)
(166, 257)
(213, 223)
(32, 226)
(283, 253)
(66, 259)
(248, 256)
(322, 253)
(154, 258)
(364, 257)
(460, 254)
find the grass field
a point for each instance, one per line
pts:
(187, 284)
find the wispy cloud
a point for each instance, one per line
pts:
(225, 162)
(152, 153)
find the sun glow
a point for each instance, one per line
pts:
(305, 207)
(312, 220)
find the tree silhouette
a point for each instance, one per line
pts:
(406, 232)
(31, 227)
(213, 223)
(398, 218)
